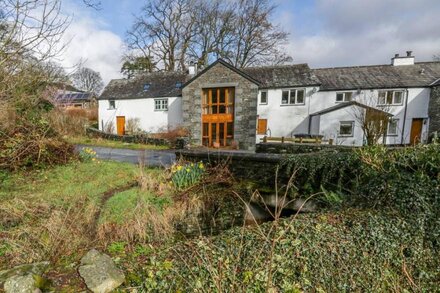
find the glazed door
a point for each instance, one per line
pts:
(217, 116)
(120, 125)
(416, 131)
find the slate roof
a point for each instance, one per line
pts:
(347, 104)
(161, 84)
(421, 74)
(283, 76)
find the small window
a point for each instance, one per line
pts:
(178, 85)
(393, 126)
(390, 98)
(263, 98)
(262, 126)
(293, 97)
(346, 128)
(111, 104)
(344, 97)
(146, 87)
(160, 104)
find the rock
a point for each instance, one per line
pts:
(26, 269)
(99, 272)
(21, 284)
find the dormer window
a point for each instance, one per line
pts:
(178, 85)
(146, 87)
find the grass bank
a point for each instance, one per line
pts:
(113, 144)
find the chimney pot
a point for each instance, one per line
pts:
(408, 53)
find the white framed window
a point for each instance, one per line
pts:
(293, 97)
(111, 104)
(390, 98)
(344, 97)
(393, 126)
(346, 128)
(160, 104)
(263, 98)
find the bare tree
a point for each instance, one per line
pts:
(170, 33)
(164, 31)
(93, 4)
(88, 80)
(436, 57)
(255, 39)
(372, 119)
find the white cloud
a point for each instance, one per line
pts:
(92, 43)
(357, 32)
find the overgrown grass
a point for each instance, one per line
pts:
(113, 144)
(49, 213)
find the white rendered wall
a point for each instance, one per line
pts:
(329, 124)
(150, 120)
(284, 120)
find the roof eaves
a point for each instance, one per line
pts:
(347, 104)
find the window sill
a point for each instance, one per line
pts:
(287, 105)
(345, 136)
(392, 135)
(390, 105)
(160, 110)
(111, 109)
(262, 104)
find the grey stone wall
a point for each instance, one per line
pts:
(434, 111)
(245, 112)
(298, 148)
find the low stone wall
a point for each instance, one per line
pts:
(246, 165)
(295, 148)
(141, 138)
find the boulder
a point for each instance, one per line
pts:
(21, 284)
(99, 272)
(22, 270)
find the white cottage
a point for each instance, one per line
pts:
(277, 101)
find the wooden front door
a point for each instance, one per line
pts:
(218, 116)
(120, 125)
(416, 131)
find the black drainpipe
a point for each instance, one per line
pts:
(404, 117)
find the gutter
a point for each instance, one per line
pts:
(404, 117)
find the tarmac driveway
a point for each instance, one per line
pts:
(152, 158)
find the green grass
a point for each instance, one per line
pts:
(114, 144)
(119, 208)
(62, 184)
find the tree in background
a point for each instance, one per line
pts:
(133, 66)
(88, 80)
(170, 33)
(436, 57)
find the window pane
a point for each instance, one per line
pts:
(222, 109)
(285, 97)
(346, 128)
(230, 129)
(392, 126)
(263, 98)
(214, 109)
(222, 96)
(300, 96)
(397, 97)
(292, 96)
(389, 98)
(214, 96)
(111, 104)
(348, 96)
(339, 97)
(205, 129)
(382, 98)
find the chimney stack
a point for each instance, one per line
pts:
(398, 60)
(192, 68)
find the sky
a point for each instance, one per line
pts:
(322, 33)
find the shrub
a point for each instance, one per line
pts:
(184, 176)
